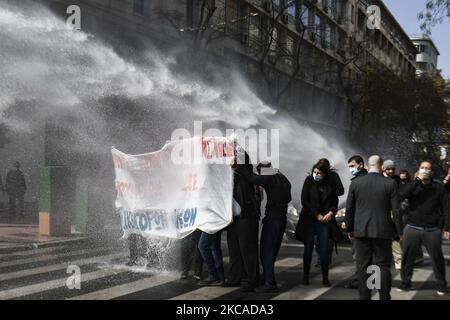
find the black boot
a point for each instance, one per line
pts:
(306, 279)
(325, 280)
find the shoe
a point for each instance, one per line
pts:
(306, 280)
(326, 283)
(419, 262)
(184, 275)
(351, 285)
(269, 288)
(197, 277)
(211, 282)
(404, 287)
(247, 289)
(228, 284)
(131, 263)
(442, 291)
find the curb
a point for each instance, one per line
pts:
(34, 245)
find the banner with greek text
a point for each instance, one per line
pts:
(187, 185)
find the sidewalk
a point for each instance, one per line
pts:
(22, 233)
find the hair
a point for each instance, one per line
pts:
(428, 161)
(322, 166)
(404, 171)
(375, 160)
(357, 159)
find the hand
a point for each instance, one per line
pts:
(319, 217)
(447, 235)
(351, 236)
(328, 217)
(422, 177)
(233, 164)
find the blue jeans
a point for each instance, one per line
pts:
(211, 251)
(271, 238)
(322, 230)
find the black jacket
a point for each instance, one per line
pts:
(373, 205)
(15, 181)
(244, 193)
(336, 182)
(317, 198)
(278, 190)
(428, 205)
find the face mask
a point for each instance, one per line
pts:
(425, 172)
(354, 171)
(317, 177)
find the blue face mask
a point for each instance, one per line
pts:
(317, 177)
(354, 171)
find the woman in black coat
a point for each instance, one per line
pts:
(320, 202)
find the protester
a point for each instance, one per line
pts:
(211, 251)
(428, 203)
(389, 171)
(242, 234)
(404, 177)
(357, 170)
(370, 201)
(15, 187)
(278, 190)
(138, 247)
(356, 167)
(319, 201)
(191, 256)
(339, 190)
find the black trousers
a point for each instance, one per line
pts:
(138, 246)
(412, 242)
(271, 238)
(242, 239)
(13, 197)
(191, 254)
(378, 252)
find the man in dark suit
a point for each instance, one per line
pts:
(371, 201)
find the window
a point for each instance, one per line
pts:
(304, 15)
(326, 41)
(138, 6)
(291, 9)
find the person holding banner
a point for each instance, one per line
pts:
(211, 251)
(278, 190)
(242, 234)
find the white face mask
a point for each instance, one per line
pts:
(425, 172)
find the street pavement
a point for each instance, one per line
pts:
(42, 273)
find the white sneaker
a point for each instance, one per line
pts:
(442, 292)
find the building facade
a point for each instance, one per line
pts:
(427, 56)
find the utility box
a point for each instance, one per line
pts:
(57, 189)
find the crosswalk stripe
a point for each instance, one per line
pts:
(53, 284)
(127, 288)
(313, 291)
(215, 292)
(49, 257)
(32, 252)
(55, 267)
(420, 275)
